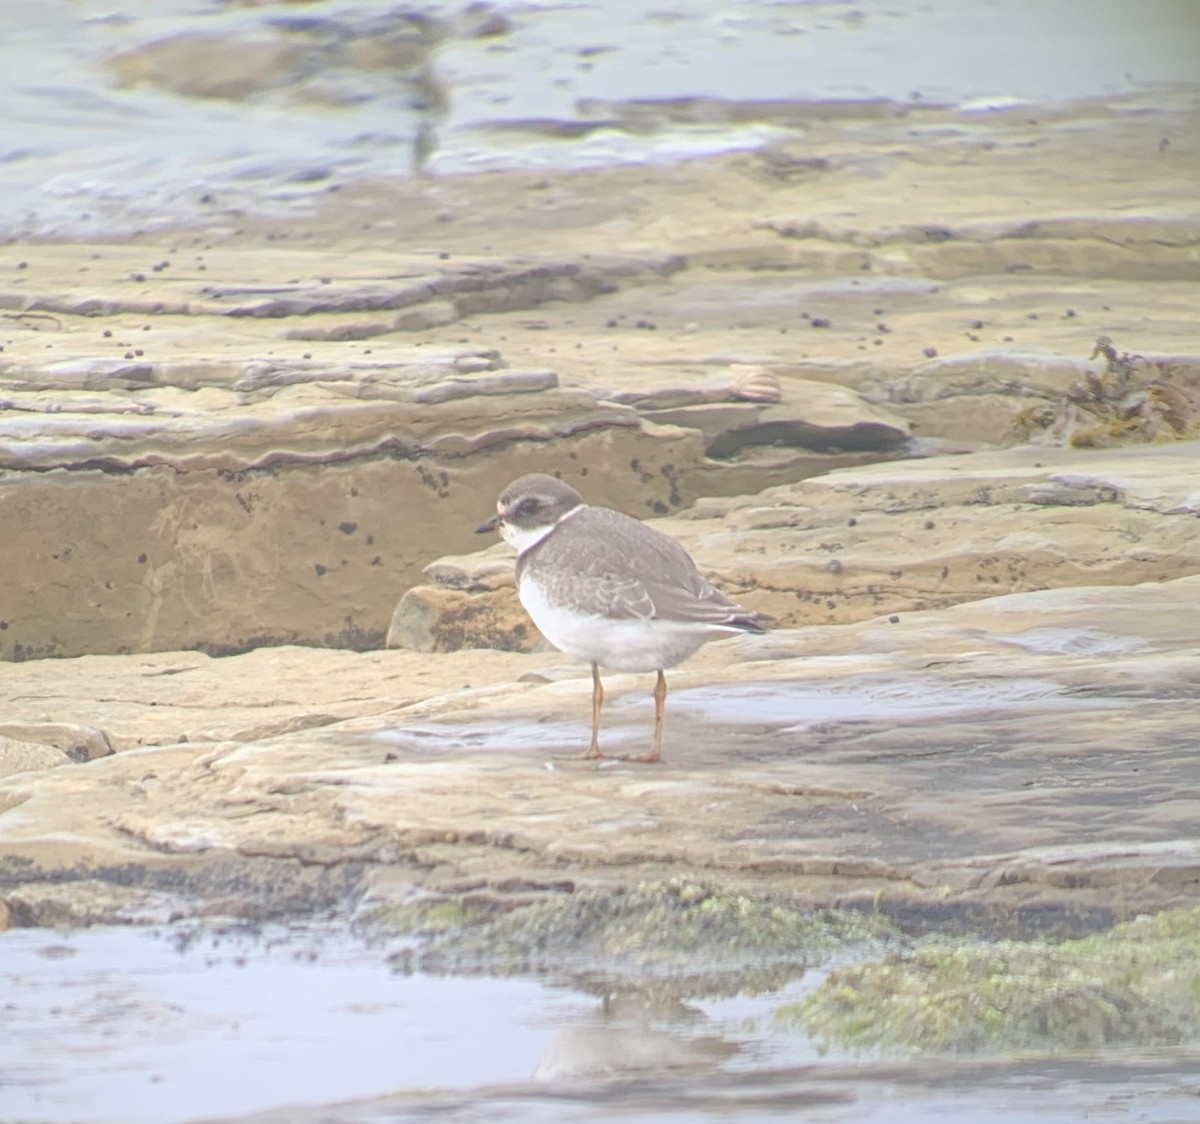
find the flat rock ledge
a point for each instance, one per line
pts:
(886, 538)
(255, 501)
(1024, 761)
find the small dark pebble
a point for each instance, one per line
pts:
(851, 522)
(1069, 314)
(820, 322)
(834, 566)
(893, 620)
(929, 524)
(930, 352)
(108, 333)
(977, 324)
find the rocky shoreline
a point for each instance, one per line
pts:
(856, 369)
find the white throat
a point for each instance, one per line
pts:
(523, 538)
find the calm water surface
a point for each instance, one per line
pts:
(163, 1026)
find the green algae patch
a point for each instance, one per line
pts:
(1137, 985)
(701, 938)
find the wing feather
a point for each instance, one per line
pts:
(629, 571)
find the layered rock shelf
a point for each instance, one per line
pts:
(920, 383)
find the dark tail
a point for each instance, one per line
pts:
(751, 622)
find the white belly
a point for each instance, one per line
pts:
(623, 645)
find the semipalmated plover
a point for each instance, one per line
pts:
(605, 588)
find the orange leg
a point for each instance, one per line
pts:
(597, 703)
(660, 708)
(660, 705)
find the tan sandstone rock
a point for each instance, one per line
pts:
(20, 757)
(1025, 754)
(919, 534)
(260, 505)
(220, 394)
(436, 619)
(78, 742)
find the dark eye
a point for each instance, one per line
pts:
(527, 506)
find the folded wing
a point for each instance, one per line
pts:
(632, 572)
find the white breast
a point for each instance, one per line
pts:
(623, 645)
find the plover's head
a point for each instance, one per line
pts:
(530, 508)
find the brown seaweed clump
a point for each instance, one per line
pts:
(1134, 399)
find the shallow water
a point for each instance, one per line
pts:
(146, 1026)
(165, 1026)
(795, 707)
(566, 85)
